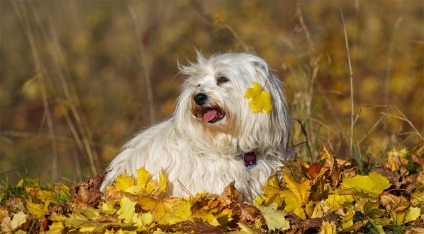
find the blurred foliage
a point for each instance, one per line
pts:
(76, 75)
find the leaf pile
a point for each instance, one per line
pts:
(329, 196)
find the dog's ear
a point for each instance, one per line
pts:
(280, 126)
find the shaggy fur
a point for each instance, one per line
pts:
(198, 153)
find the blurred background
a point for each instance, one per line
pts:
(79, 78)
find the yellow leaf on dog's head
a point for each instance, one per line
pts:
(260, 99)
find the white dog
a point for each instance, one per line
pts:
(214, 137)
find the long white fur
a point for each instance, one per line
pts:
(199, 156)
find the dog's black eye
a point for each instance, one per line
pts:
(222, 79)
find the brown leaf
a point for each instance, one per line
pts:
(335, 177)
(394, 203)
(313, 170)
(328, 158)
(418, 160)
(198, 226)
(246, 212)
(230, 195)
(87, 194)
(349, 173)
(105, 218)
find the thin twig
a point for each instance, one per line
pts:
(352, 107)
(406, 120)
(390, 61)
(145, 65)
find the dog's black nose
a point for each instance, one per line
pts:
(200, 98)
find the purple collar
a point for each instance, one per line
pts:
(249, 159)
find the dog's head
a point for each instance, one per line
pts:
(212, 105)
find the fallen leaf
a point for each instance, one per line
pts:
(124, 182)
(168, 210)
(127, 209)
(371, 185)
(407, 216)
(274, 218)
(394, 203)
(197, 226)
(301, 190)
(328, 228)
(230, 195)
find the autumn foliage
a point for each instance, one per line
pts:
(328, 196)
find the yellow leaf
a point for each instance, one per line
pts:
(20, 183)
(290, 200)
(309, 208)
(162, 182)
(244, 229)
(371, 185)
(124, 182)
(273, 181)
(328, 228)
(143, 220)
(38, 210)
(300, 190)
(127, 209)
(143, 177)
(274, 218)
(18, 219)
(169, 210)
(409, 215)
(260, 99)
(108, 208)
(336, 201)
(271, 195)
(347, 221)
(56, 227)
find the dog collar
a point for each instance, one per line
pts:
(249, 159)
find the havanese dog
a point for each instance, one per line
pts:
(219, 132)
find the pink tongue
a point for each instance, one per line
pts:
(210, 115)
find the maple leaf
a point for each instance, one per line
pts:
(230, 194)
(260, 99)
(124, 182)
(127, 210)
(168, 210)
(328, 228)
(371, 185)
(274, 218)
(300, 190)
(143, 220)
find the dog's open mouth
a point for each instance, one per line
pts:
(213, 115)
